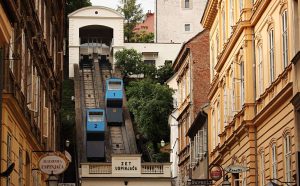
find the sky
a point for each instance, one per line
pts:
(146, 4)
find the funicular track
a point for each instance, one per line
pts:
(91, 83)
(116, 135)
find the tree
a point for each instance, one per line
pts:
(164, 73)
(143, 37)
(129, 61)
(151, 104)
(72, 5)
(133, 14)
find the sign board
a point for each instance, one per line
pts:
(126, 165)
(216, 172)
(200, 182)
(53, 163)
(235, 169)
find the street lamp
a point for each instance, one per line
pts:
(226, 182)
(52, 180)
(162, 143)
(67, 143)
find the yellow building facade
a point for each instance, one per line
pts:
(251, 119)
(31, 53)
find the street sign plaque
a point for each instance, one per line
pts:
(198, 182)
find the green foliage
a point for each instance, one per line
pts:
(143, 37)
(151, 104)
(72, 5)
(129, 61)
(133, 14)
(149, 71)
(164, 73)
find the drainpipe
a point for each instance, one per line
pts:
(255, 110)
(1, 88)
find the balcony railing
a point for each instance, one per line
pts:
(146, 170)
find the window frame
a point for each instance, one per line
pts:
(274, 161)
(271, 54)
(288, 158)
(284, 37)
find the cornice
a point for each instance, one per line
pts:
(209, 14)
(5, 27)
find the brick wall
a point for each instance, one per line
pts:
(199, 48)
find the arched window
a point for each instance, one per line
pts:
(262, 167)
(260, 86)
(288, 158)
(284, 38)
(274, 161)
(271, 55)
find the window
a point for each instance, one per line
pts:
(224, 26)
(232, 92)
(271, 55)
(149, 62)
(213, 129)
(260, 71)
(212, 62)
(274, 162)
(186, 3)
(288, 158)
(225, 105)
(11, 51)
(284, 39)
(262, 168)
(231, 15)
(242, 79)
(187, 27)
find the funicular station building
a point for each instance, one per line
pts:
(95, 35)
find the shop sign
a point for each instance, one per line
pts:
(53, 163)
(200, 182)
(216, 173)
(235, 169)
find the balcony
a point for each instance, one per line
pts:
(162, 170)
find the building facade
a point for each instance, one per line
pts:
(31, 82)
(176, 21)
(251, 117)
(192, 68)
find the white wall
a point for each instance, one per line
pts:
(172, 16)
(87, 16)
(173, 123)
(166, 51)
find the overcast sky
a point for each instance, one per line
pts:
(146, 4)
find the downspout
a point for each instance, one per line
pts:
(255, 110)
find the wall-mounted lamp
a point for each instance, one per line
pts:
(162, 143)
(125, 182)
(67, 143)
